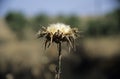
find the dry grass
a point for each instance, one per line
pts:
(21, 54)
(102, 47)
(30, 53)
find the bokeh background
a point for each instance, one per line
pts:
(97, 53)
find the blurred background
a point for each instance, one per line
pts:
(97, 52)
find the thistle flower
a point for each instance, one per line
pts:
(58, 33)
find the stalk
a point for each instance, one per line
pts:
(58, 68)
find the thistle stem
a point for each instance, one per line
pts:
(58, 68)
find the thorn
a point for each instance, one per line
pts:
(43, 28)
(51, 39)
(46, 43)
(69, 41)
(49, 45)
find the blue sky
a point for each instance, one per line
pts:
(55, 7)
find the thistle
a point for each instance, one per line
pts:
(58, 33)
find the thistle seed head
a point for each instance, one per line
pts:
(58, 33)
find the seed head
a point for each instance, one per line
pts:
(58, 33)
